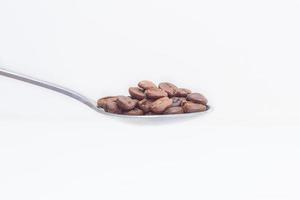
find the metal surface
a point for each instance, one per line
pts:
(79, 97)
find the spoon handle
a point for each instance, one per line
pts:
(51, 86)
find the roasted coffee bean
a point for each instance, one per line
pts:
(160, 105)
(103, 101)
(190, 107)
(182, 92)
(112, 107)
(135, 111)
(177, 101)
(148, 99)
(155, 93)
(174, 110)
(146, 85)
(126, 103)
(137, 93)
(169, 88)
(197, 98)
(145, 105)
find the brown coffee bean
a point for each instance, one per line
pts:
(112, 107)
(197, 98)
(137, 93)
(160, 105)
(126, 103)
(182, 92)
(190, 107)
(169, 88)
(135, 111)
(174, 110)
(148, 99)
(155, 93)
(103, 101)
(145, 105)
(177, 101)
(146, 85)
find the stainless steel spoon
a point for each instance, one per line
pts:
(79, 97)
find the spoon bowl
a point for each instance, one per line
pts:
(209, 109)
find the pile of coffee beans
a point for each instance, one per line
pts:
(148, 99)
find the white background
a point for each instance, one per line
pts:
(243, 55)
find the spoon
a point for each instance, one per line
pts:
(79, 97)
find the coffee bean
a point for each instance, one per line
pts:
(137, 93)
(160, 105)
(190, 107)
(155, 93)
(145, 105)
(174, 110)
(135, 111)
(112, 107)
(146, 85)
(148, 99)
(197, 98)
(126, 103)
(169, 88)
(182, 92)
(177, 101)
(103, 101)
